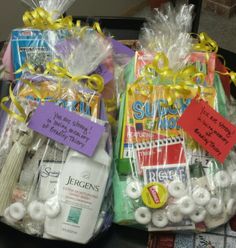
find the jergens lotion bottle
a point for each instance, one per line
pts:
(81, 190)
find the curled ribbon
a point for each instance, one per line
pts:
(41, 19)
(32, 87)
(209, 45)
(111, 106)
(40, 94)
(97, 27)
(21, 116)
(231, 74)
(144, 90)
(205, 44)
(176, 91)
(160, 66)
(27, 66)
(94, 82)
(179, 83)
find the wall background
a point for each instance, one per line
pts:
(12, 11)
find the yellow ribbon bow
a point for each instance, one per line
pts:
(41, 19)
(94, 82)
(205, 44)
(160, 66)
(27, 66)
(81, 30)
(231, 74)
(178, 82)
(21, 115)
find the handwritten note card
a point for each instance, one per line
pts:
(67, 128)
(209, 129)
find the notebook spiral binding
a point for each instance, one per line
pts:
(158, 143)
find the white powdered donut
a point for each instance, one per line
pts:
(222, 179)
(143, 215)
(214, 207)
(201, 196)
(133, 189)
(173, 214)
(52, 208)
(177, 189)
(159, 218)
(17, 211)
(186, 205)
(198, 215)
(36, 211)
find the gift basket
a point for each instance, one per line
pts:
(45, 31)
(172, 172)
(56, 125)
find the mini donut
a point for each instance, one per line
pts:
(17, 211)
(222, 179)
(173, 214)
(143, 215)
(177, 189)
(201, 196)
(36, 211)
(186, 205)
(198, 214)
(159, 218)
(214, 207)
(133, 189)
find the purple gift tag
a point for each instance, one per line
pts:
(67, 128)
(119, 48)
(103, 71)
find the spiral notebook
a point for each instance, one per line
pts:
(157, 152)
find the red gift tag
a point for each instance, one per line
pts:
(210, 129)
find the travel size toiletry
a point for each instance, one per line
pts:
(81, 188)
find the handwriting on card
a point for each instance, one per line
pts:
(209, 129)
(70, 129)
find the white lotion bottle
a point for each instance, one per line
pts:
(81, 190)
